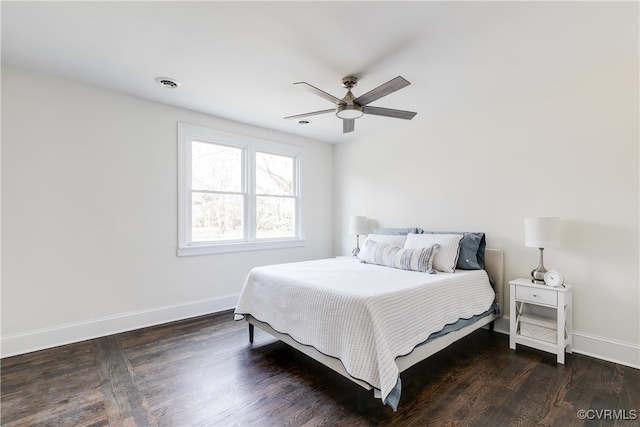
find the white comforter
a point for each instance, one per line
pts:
(365, 315)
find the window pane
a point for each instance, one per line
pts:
(216, 217)
(275, 217)
(274, 174)
(216, 167)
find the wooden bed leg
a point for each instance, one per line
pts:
(251, 332)
(492, 325)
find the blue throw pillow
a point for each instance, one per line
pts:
(472, 247)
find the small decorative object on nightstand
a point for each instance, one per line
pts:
(553, 278)
(357, 226)
(540, 317)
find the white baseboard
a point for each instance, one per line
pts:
(39, 339)
(619, 352)
(502, 325)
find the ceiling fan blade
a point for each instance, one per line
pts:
(314, 113)
(382, 90)
(388, 112)
(348, 125)
(306, 86)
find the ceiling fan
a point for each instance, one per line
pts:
(350, 108)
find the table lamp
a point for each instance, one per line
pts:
(541, 233)
(357, 226)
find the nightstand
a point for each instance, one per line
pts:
(540, 317)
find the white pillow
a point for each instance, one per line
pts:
(418, 259)
(386, 239)
(446, 257)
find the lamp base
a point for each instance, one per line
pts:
(356, 250)
(538, 274)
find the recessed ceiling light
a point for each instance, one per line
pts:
(167, 82)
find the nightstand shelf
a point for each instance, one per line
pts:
(540, 317)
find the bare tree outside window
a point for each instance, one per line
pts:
(217, 200)
(275, 202)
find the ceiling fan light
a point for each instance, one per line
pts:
(349, 112)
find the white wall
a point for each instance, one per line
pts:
(89, 214)
(568, 150)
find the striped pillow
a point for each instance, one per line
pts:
(447, 257)
(406, 259)
(386, 239)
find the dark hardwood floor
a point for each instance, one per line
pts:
(203, 371)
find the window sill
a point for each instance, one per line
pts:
(221, 248)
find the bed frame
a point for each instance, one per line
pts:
(494, 265)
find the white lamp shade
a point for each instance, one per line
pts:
(542, 232)
(357, 225)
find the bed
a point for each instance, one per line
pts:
(369, 321)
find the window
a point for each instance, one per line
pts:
(236, 193)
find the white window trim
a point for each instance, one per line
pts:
(188, 133)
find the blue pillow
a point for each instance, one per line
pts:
(472, 247)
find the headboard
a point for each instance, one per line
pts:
(494, 265)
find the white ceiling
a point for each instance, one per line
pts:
(238, 60)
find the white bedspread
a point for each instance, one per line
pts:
(363, 314)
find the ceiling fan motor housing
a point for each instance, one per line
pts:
(347, 108)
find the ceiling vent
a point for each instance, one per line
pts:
(167, 82)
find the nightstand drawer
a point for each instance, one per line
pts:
(536, 295)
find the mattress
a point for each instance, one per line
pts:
(362, 314)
